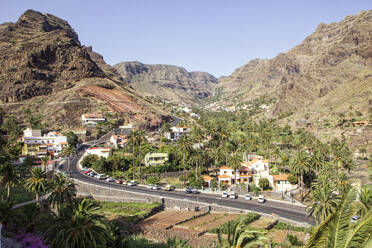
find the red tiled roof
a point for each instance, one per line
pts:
(207, 178)
(93, 115)
(224, 176)
(225, 168)
(282, 177)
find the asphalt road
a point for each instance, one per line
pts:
(285, 210)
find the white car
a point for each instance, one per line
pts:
(261, 199)
(233, 195)
(110, 179)
(224, 195)
(132, 183)
(149, 186)
(248, 197)
(101, 176)
(155, 187)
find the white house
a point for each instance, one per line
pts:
(100, 151)
(118, 140)
(281, 183)
(152, 159)
(177, 132)
(227, 175)
(92, 119)
(37, 145)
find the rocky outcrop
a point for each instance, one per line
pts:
(166, 81)
(335, 59)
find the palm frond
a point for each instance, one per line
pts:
(361, 233)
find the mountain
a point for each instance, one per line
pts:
(325, 79)
(167, 81)
(44, 68)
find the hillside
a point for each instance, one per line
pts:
(324, 80)
(44, 68)
(167, 82)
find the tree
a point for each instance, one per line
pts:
(72, 139)
(62, 191)
(9, 177)
(37, 182)
(44, 162)
(77, 226)
(89, 160)
(185, 147)
(365, 200)
(140, 139)
(300, 165)
(264, 183)
(68, 152)
(11, 127)
(9, 216)
(325, 198)
(337, 230)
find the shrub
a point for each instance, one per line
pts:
(293, 240)
(89, 160)
(264, 183)
(292, 179)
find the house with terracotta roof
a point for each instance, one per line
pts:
(176, 133)
(118, 140)
(92, 119)
(281, 183)
(100, 151)
(207, 181)
(228, 175)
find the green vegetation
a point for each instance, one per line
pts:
(246, 219)
(126, 209)
(286, 226)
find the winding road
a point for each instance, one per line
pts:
(285, 210)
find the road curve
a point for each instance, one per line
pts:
(285, 210)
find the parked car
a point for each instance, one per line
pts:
(224, 195)
(84, 169)
(125, 182)
(195, 191)
(248, 197)
(188, 191)
(355, 218)
(110, 179)
(119, 181)
(233, 195)
(169, 187)
(149, 186)
(132, 183)
(261, 199)
(101, 176)
(92, 174)
(86, 172)
(155, 187)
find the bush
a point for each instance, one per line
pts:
(286, 226)
(153, 180)
(264, 183)
(293, 240)
(247, 219)
(292, 179)
(89, 160)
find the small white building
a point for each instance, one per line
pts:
(92, 119)
(177, 132)
(153, 159)
(281, 183)
(118, 140)
(100, 151)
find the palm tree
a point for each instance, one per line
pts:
(342, 182)
(337, 230)
(133, 141)
(325, 199)
(365, 200)
(62, 191)
(68, 152)
(37, 182)
(9, 177)
(196, 159)
(235, 163)
(140, 139)
(77, 226)
(44, 162)
(9, 216)
(244, 236)
(300, 165)
(185, 147)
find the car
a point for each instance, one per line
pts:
(119, 181)
(132, 183)
(110, 179)
(233, 195)
(125, 182)
(86, 172)
(261, 199)
(224, 195)
(188, 191)
(248, 197)
(84, 169)
(355, 218)
(169, 187)
(101, 176)
(195, 191)
(155, 187)
(92, 174)
(149, 186)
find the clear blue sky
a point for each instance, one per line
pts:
(206, 35)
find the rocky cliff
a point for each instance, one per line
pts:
(167, 82)
(44, 67)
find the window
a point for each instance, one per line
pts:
(233, 172)
(225, 172)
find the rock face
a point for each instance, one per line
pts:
(331, 67)
(167, 81)
(44, 67)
